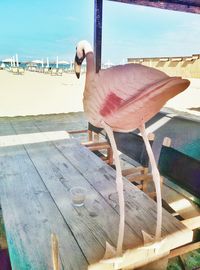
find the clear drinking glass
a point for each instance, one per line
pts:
(78, 195)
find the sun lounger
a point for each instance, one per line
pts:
(53, 71)
(60, 72)
(20, 71)
(46, 70)
(14, 70)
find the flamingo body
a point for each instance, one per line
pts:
(127, 96)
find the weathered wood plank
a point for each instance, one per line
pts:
(70, 121)
(139, 207)
(5, 127)
(93, 224)
(30, 216)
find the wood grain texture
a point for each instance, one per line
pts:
(35, 182)
(139, 207)
(30, 216)
(88, 223)
(97, 219)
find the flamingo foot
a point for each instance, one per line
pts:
(151, 243)
(148, 238)
(110, 251)
(111, 257)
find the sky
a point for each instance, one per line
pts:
(36, 29)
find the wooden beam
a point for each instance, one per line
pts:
(192, 223)
(98, 9)
(185, 6)
(184, 249)
(93, 146)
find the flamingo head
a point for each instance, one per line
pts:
(82, 48)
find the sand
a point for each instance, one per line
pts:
(187, 102)
(36, 93)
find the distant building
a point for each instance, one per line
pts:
(184, 66)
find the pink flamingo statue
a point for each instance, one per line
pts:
(122, 98)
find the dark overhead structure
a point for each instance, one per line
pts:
(192, 6)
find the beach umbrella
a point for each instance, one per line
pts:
(17, 60)
(63, 62)
(42, 63)
(37, 61)
(13, 61)
(7, 60)
(108, 64)
(71, 65)
(57, 62)
(30, 64)
(47, 62)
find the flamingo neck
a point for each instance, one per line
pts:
(90, 64)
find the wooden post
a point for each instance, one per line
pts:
(167, 141)
(98, 11)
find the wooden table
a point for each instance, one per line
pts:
(35, 182)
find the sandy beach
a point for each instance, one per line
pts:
(187, 103)
(36, 93)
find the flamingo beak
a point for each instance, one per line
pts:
(77, 63)
(77, 66)
(77, 69)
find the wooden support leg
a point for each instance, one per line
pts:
(110, 156)
(90, 137)
(145, 182)
(96, 137)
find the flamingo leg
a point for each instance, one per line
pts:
(119, 184)
(156, 179)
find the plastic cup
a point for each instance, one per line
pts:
(78, 195)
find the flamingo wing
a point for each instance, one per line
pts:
(127, 96)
